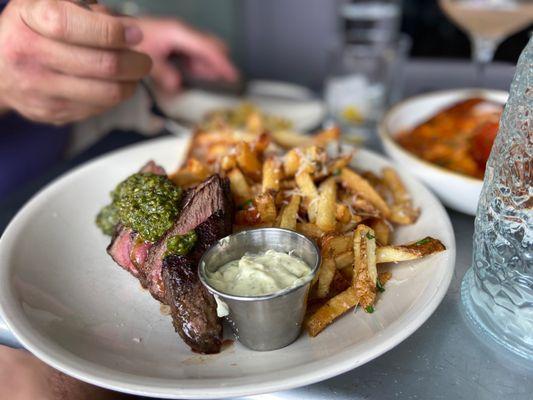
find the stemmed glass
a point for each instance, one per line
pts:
(488, 23)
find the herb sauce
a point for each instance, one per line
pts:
(181, 244)
(145, 202)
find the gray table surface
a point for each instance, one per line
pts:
(444, 359)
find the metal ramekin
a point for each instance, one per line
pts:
(271, 321)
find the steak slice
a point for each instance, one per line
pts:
(126, 248)
(210, 198)
(209, 211)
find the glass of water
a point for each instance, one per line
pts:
(497, 292)
(364, 79)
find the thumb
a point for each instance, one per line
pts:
(166, 77)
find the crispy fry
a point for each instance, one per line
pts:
(239, 185)
(384, 277)
(289, 213)
(310, 230)
(327, 135)
(344, 260)
(228, 162)
(266, 207)
(342, 213)
(310, 192)
(271, 175)
(419, 249)
(336, 244)
(365, 271)
(326, 209)
(247, 160)
(402, 211)
(382, 230)
(334, 308)
(291, 162)
(360, 186)
(325, 277)
(290, 139)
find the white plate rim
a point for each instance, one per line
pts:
(83, 370)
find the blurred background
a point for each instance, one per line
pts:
(289, 39)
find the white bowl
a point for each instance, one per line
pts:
(457, 191)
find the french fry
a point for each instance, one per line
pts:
(335, 244)
(344, 260)
(239, 185)
(289, 213)
(228, 162)
(402, 211)
(266, 207)
(327, 207)
(271, 175)
(310, 192)
(347, 272)
(329, 312)
(325, 277)
(359, 185)
(413, 251)
(342, 213)
(291, 162)
(365, 271)
(382, 230)
(290, 139)
(310, 230)
(247, 160)
(327, 135)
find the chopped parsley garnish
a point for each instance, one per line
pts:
(369, 309)
(370, 236)
(247, 204)
(379, 286)
(423, 241)
(336, 172)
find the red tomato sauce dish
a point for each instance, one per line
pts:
(458, 138)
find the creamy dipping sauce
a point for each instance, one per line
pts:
(257, 274)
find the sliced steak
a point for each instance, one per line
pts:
(209, 211)
(194, 310)
(210, 198)
(126, 249)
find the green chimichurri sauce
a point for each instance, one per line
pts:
(144, 202)
(181, 244)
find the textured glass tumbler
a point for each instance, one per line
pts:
(497, 292)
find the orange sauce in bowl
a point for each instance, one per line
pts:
(458, 138)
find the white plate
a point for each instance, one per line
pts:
(293, 102)
(460, 192)
(68, 303)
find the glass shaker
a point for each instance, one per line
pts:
(497, 291)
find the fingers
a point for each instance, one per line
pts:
(123, 65)
(210, 51)
(86, 91)
(67, 22)
(166, 77)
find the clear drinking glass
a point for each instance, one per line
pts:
(488, 23)
(497, 291)
(364, 77)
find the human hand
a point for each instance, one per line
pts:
(206, 55)
(61, 63)
(24, 377)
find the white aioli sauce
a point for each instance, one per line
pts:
(259, 274)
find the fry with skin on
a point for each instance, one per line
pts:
(247, 160)
(356, 184)
(289, 213)
(310, 193)
(336, 244)
(365, 271)
(413, 251)
(382, 230)
(402, 211)
(266, 207)
(310, 230)
(325, 277)
(327, 207)
(329, 312)
(272, 175)
(239, 186)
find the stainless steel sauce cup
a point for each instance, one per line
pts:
(270, 321)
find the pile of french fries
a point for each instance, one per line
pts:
(350, 214)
